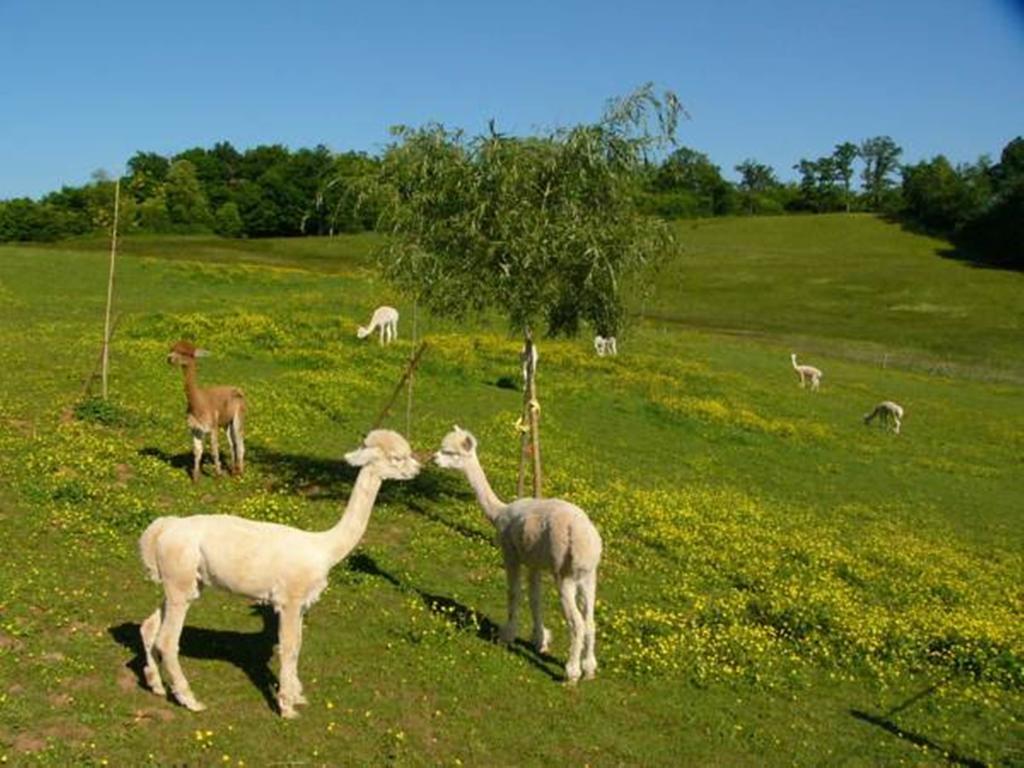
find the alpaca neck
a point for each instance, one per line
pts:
(795, 366)
(191, 386)
(343, 537)
(489, 501)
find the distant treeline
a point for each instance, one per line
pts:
(272, 191)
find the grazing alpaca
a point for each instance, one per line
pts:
(888, 413)
(806, 373)
(384, 318)
(542, 534)
(605, 345)
(273, 563)
(209, 409)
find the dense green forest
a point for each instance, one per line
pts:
(273, 191)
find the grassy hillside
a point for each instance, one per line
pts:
(780, 585)
(849, 285)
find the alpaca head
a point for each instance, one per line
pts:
(184, 353)
(457, 446)
(363, 332)
(386, 453)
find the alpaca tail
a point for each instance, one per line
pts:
(148, 543)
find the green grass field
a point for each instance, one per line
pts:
(781, 584)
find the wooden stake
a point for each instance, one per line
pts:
(110, 286)
(401, 383)
(408, 399)
(530, 440)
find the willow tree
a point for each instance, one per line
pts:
(543, 228)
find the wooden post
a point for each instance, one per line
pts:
(110, 286)
(401, 383)
(529, 426)
(408, 398)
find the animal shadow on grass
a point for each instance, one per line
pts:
(461, 616)
(251, 652)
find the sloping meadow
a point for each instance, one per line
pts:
(731, 556)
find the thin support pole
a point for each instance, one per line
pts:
(110, 287)
(412, 373)
(401, 383)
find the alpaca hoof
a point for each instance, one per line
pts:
(156, 685)
(545, 641)
(589, 668)
(190, 702)
(301, 700)
(288, 711)
(572, 675)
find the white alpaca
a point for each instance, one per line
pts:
(273, 563)
(385, 319)
(888, 413)
(806, 373)
(542, 534)
(605, 345)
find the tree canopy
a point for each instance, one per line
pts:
(540, 228)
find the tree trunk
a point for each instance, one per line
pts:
(529, 426)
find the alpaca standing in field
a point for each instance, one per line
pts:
(384, 318)
(605, 345)
(277, 564)
(210, 409)
(806, 373)
(541, 534)
(888, 413)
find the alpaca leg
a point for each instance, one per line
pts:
(508, 632)
(215, 448)
(167, 639)
(814, 383)
(231, 445)
(588, 588)
(573, 617)
(896, 424)
(290, 642)
(382, 335)
(197, 453)
(149, 630)
(541, 635)
(238, 428)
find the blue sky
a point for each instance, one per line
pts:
(83, 85)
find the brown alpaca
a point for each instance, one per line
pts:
(209, 409)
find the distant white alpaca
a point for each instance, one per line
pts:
(605, 345)
(888, 413)
(806, 373)
(384, 318)
(542, 534)
(273, 563)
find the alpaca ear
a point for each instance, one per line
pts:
(468, 443)
(361, 456)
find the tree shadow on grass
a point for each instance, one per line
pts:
(885, 722)
(463, 617)
(320, 478)
(251, 652)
